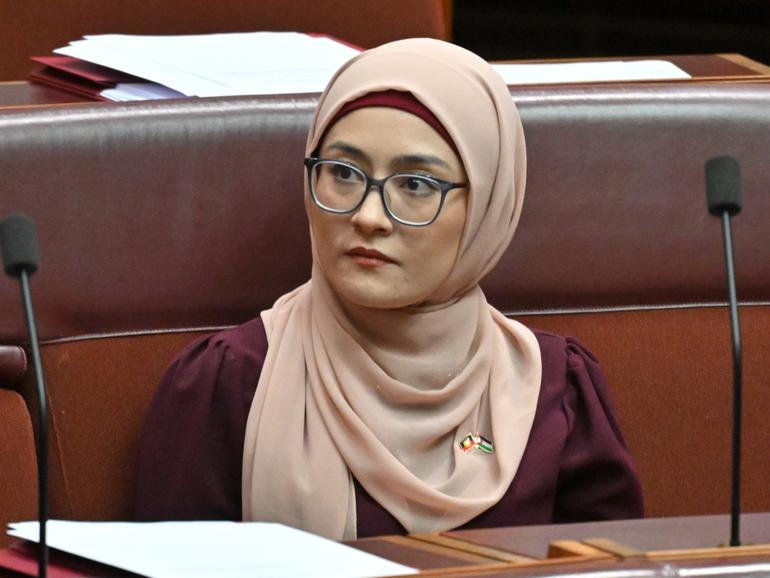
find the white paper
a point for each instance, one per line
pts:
(220, 64)
(569, 72)
(129, 91)
(290, 62)
(206, 549)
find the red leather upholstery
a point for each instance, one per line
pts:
(18, 469)
(13, 364)
(158, 221)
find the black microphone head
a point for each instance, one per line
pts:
(723, 185)
(18, 241)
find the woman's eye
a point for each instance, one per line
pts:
(342, 172)
(417, 186)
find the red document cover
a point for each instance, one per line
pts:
(88, 71)
(77, 76)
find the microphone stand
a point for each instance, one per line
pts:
(723, 196)
(18, 242)
(735, 507)
(42, 437)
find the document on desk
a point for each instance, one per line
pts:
(220, 64)
(569, 72)
(205, 549)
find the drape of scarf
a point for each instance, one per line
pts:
(386, 396)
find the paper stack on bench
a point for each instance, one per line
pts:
(196, 549)
(125, 67)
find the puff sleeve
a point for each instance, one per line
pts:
(191, 447)
(597, 478)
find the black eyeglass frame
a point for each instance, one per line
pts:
(444, 187)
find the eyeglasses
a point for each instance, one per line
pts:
(409, 199)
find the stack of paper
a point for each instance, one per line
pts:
(205, 549)
(263, 63)
(217, 64)
(595, 71)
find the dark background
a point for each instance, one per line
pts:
(500, 29)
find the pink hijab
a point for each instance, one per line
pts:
(388, 396)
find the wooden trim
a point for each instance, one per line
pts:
(572, 548)
(485, 551)
(36, 106)
(749, 63)
(448, 19)
(704, 553)
(614, 548)
(466, 554)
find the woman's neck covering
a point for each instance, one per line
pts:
(388, 396)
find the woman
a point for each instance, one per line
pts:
(385, 395)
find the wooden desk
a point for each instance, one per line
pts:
(702, 68)
(649, 546)
(646, 534)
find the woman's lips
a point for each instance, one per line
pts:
(368, 257)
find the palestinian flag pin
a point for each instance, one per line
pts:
(476, 440)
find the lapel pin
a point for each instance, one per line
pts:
(476, 440)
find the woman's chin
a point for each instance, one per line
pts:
(373, 295)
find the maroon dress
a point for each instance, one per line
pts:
(576, 466)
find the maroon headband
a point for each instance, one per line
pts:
(398, 99)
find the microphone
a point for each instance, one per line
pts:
(723, 195)
(723, 185)
(18, 241)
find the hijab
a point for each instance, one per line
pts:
(342, 392)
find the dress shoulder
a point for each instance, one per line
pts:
(597, 477)
(191, 446)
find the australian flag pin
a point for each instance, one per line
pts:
(476, 440)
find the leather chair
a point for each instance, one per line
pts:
(162, 221)
(18, 466)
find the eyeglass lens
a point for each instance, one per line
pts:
(409, 198)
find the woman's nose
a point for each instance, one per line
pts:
(371, 215)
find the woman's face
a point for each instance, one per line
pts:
(369, 259)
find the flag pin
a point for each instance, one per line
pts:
(476, 440)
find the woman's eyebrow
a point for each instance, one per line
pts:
(408, 159)
(421, 160)
(349, 149)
